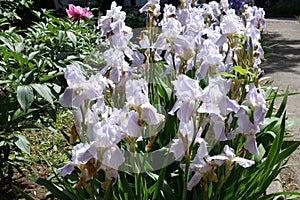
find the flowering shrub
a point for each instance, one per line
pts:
(183, 113)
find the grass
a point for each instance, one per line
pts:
(49, 145)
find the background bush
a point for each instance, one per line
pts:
(18, 13)
(280, 8)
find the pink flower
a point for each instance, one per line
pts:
(78, 13)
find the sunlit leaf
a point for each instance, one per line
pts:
(32, 54)
(7, 43)
(25, 96)
(22, 143)
(19, 46)
(240, 70)
(72, 37)
(61, 35)
(226, 74)
(44, 91)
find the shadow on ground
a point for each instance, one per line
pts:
(283, 66)
(282, 55)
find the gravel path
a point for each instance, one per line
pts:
(284, 67)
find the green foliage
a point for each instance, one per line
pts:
(32, 64)
(17, 13)
(283, 9)
(134, 18)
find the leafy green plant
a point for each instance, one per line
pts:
(18, 13)
(32, 63)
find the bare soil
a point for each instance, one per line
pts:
(24, 183)
(42, 151)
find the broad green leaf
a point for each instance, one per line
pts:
(226, 74)
(29, 76)
(163, 89)
(228, 193)
(138, 186)
(2, 68)
(4, 82)
(152, 189)
(63, 55)
(25, 96)
(249, 183)
(72, 37)
(19, 46)
(72, 57)
(22, 143)
(32, 54)
(240, 70)
(264, 182)
(7, 43)
(261, 154)
(44, 91)
(31, 66)
(61, 35)
(269, 123)
(19, 113)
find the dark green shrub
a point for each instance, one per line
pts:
(283, 9)
(32, 63)
(17, 13)
(134, 18)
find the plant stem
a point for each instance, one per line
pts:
(186, 175)
(138, 188)
(108, 191)
(205, 195)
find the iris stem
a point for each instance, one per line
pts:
(138, 187)
(186, 175)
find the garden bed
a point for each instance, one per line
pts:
(190, 93)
